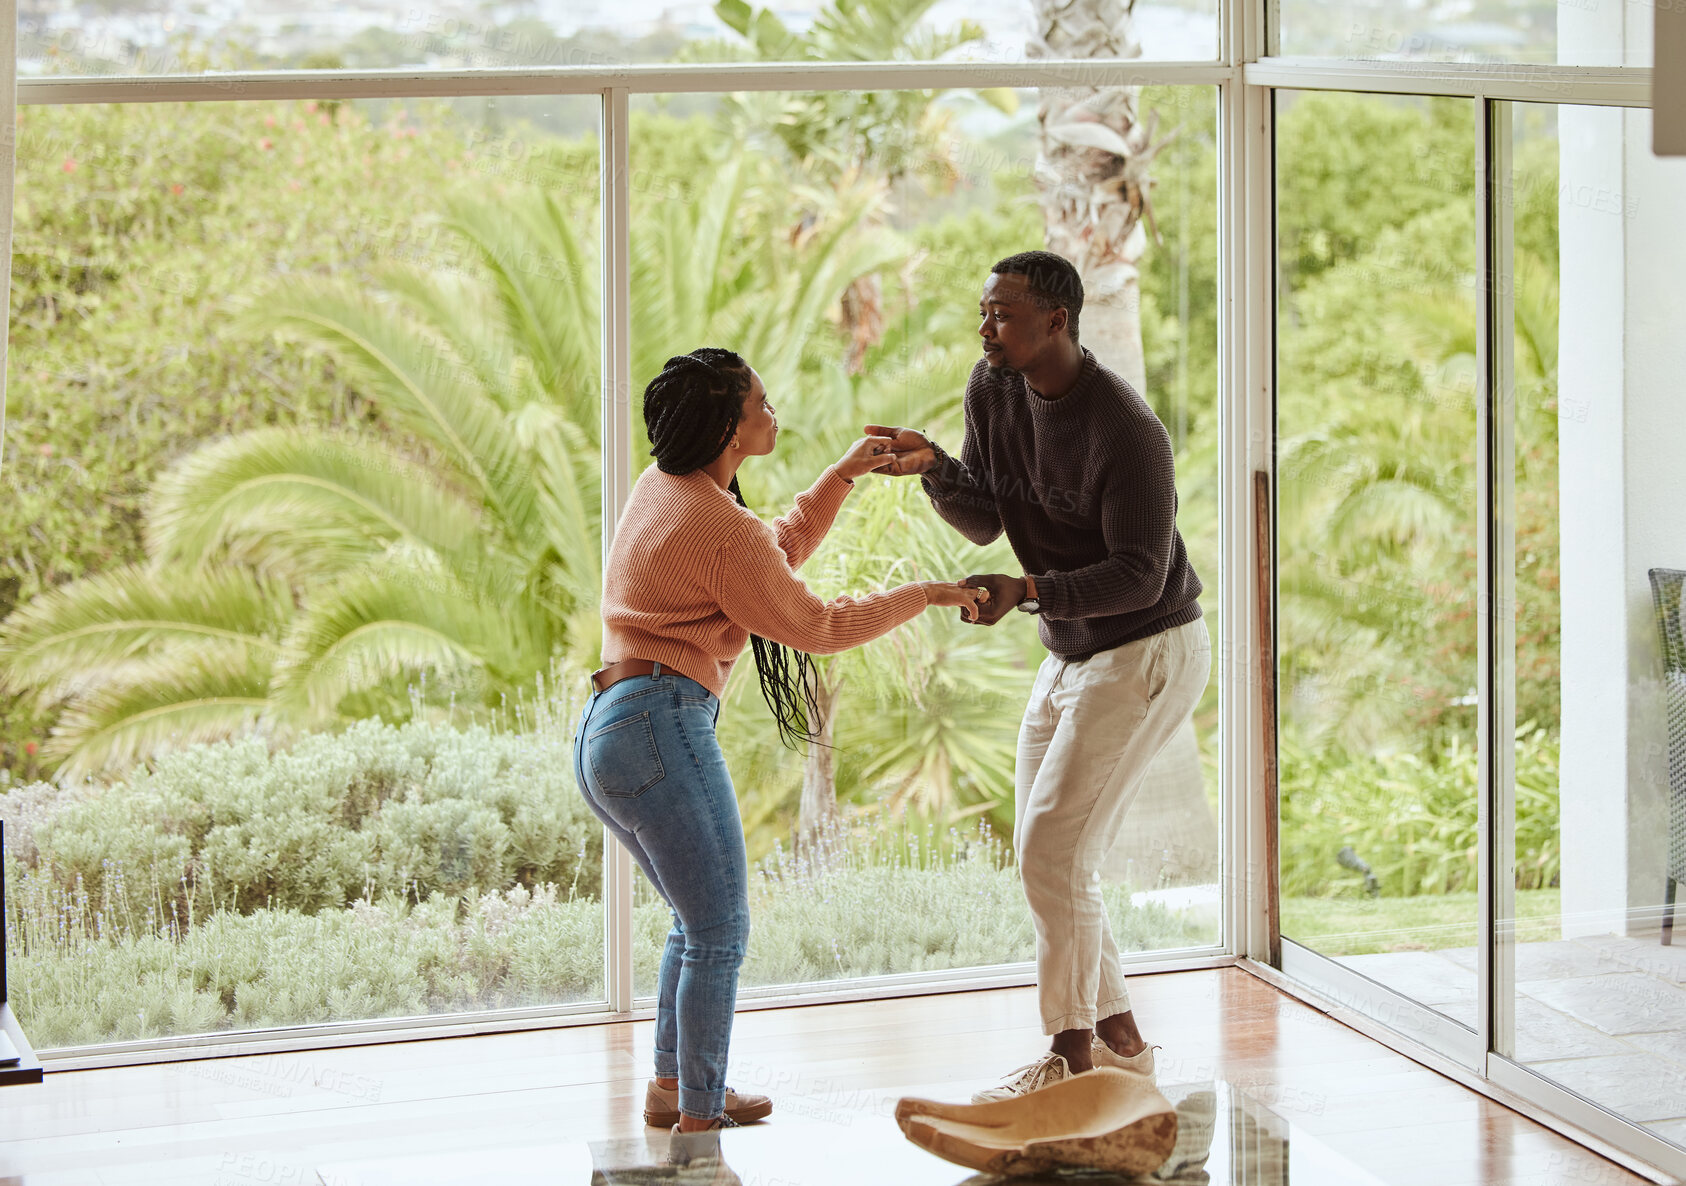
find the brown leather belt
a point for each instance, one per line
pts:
(603, 678)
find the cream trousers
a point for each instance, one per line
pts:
(1090, 731)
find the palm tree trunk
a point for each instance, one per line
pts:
(817, 813)
(1093, 171)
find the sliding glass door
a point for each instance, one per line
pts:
(1590, 988)
(1482, 674)
(1377, 316)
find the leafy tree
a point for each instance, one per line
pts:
(139, 230)
(1376, 461)
(473, 554)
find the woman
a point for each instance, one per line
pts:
(692, 575)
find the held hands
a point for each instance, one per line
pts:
(1002, 594)
(970, 598)
(911, 450)
(866, 455)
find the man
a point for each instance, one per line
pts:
(1066, 458)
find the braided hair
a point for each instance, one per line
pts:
(691, 411)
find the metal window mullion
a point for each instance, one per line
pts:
(615, 366)
(1622, 86)
(1261, 237)
(1233, 766)
(1240, 345)
(1246, 444)
(659, 78)
(1496, 572)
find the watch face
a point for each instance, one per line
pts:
(1030, 605)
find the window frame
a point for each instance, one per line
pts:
(1246, 75)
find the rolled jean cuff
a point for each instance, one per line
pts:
(1083, 1020)
(667, 1064)
(701, 1105)
(1118, 1004)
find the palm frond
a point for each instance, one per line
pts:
(407, 373)
(394, 620)
(461, 314)
(1392, 513)
(568, 507)
(80, 636)
(202, 696)
(679, 273)
(546, 285)
(303, 503)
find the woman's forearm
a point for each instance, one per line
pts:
(804, 528)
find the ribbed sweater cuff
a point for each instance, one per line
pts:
(832, 482)
(915, 601)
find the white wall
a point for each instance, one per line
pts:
(1654, 354)
(1592, 530)
(1622, 366)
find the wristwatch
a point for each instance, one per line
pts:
(1030, 604)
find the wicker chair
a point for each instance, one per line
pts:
(1666, 585)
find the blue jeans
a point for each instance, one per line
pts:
(650, 768)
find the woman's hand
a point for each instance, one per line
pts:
(915, 454)
(864, 456)
(968, 597)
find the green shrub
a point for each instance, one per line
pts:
(282, 967)
(1411, 817)
(374, 810)
(292, 858)
(395, 958)
(455, 822)
(449, 846)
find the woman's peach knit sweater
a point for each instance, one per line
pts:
(691, 575)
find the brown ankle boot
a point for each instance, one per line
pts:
(661, 1106)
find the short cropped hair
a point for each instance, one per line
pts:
(1052, 279)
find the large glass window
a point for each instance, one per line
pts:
(1598, 813)
(300, 564)
(840, 242)
(184, 37)
(1376, 421)
(1534, 32)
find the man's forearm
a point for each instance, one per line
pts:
(964, 503)
(1123, 583)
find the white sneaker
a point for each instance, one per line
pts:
(1050, 1068)
(1140, 1064)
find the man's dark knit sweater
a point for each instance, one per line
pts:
(1083, 487)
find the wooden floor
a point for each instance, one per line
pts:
(276, 1120)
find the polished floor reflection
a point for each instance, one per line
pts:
(1223, 1139)
(1293, 1093)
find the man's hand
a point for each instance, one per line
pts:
(912, 451)
(866, 455)
(1005, 593)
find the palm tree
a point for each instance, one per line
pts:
(293, 573)
(1093, 168)
(841, 144)
(1377, 510)
(916, 720)
(1094, 172)
(838, 140)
